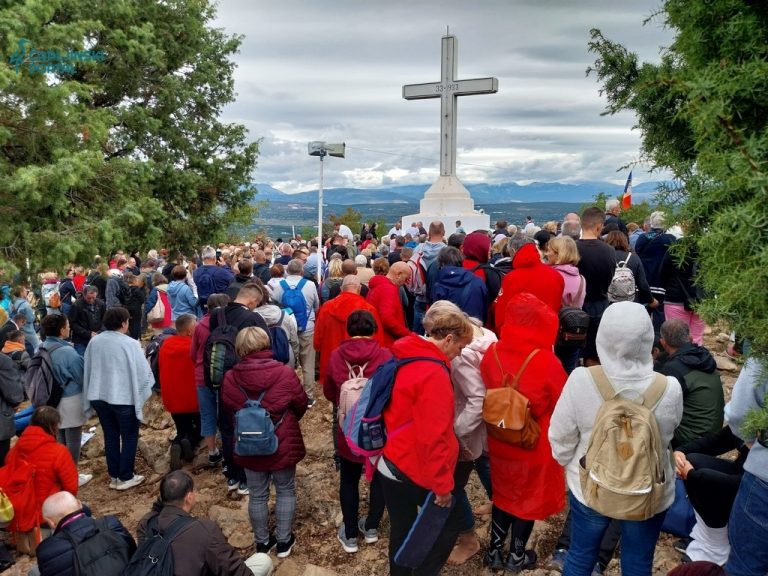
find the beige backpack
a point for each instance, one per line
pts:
(622, 473)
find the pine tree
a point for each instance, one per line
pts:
(114, 140)
(703, 115)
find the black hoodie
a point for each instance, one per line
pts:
(687, 358)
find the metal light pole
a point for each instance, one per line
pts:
(323, 149)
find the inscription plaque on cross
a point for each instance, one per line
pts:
(448, 89)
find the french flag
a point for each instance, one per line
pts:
(626, 199)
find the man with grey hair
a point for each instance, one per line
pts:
(612, 220)
(651, 248)
(65, 516)
(211, 278)
(294, 281)
(85, 318)
(696, 370)
(571, 226)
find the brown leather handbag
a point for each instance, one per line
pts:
(507, 412)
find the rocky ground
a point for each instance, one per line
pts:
(317, 552)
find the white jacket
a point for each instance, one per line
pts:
(469, 394)
(624, 341)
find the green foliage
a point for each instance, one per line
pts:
(756, 422)
(703, 114)
(126, 152)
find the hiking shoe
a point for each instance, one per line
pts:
(310, 402)
(284, 548)
(517, 563)
(175, 457)
(214, 459)
(557, 560)
(83, 479)
(242, 489)
(371, 536)
(265, 547)
(126, 484)
(232, 484)
(349, 544)
(493, 559)
(113, 483)
(187, 451)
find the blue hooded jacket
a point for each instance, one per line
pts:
(464, 289)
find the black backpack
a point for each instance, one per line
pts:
(573, 324)
(155, 556)
(152, 354)
(220, 355)
(493, 278)
(39, 382)
(102, 553)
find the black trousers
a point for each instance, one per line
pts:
(349, 496)
(712, 486)
(187, 426)
(607, 545)
(403, 500)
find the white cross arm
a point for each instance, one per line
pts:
(456, 88)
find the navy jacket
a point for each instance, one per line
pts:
(56, 556)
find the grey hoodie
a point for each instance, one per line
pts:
(271, 314)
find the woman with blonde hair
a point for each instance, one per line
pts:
(258, 376)
(421, 458)
(333, 280)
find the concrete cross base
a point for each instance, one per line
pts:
(448, 200)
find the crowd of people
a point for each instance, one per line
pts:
(572, 317)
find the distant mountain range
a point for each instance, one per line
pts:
(509, 192)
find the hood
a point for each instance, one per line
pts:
(378, 280)
(481, 341)
(527, 257)
(32, 439)
(414, 345)
(358, 350)
(477, 247)
(567, 269)
(162, 288)
(270, 313)
(175, 287)
(339, 308)
(624, 342)
(696, 357)
(242, 278)
(430, 250)
(529, 323)
(454, 277)
(259, 369)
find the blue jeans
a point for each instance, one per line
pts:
(587, 529)
(121, 437)
(748, 528)
(419, 310)
(208, 400)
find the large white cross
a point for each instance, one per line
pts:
(447, 90)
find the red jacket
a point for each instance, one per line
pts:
(177, 376)
(285, 398)
(331, 324)
(530, 275)
(422, 405)
(527, 483)
(384, 296)
(54, 469)
(356, 352)
(197, 349)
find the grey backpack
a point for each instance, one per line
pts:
(622, 287)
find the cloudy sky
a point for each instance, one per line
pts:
(334, 70)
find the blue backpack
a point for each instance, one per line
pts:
(293, 298)
(364, 424)
(281, 346)
(254, 430)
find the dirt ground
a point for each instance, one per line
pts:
(317, 552)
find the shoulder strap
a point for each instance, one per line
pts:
(284, 285)
(629, 255)
(301, 283)
(176, 527)
(501, 368)
(53, 347)
(516, 379)
(655, 391)
(221, 316)
(601, 381)
(405, 361)
(282, 315)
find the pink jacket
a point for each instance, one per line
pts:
(573, 294)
